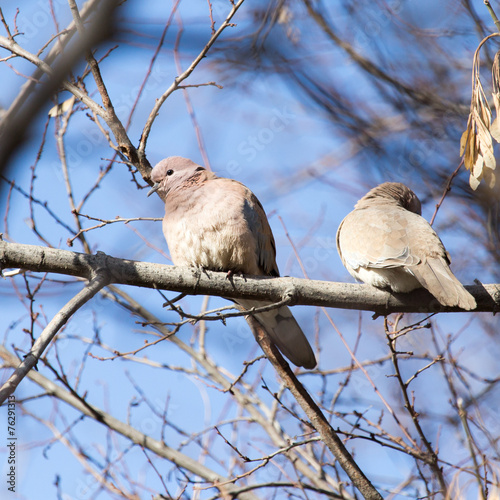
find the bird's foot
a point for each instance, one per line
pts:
(231, 273)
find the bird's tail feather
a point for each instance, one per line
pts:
(285, 332)
(435, 275)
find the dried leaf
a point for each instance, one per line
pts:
(484, 140)
(486, 150)
(463, 141)
(495, 72)
(489, 159)
(485, 112)
(470, 151)
(490, 178)
(285, 15)
(473, 183)
(495, 126)
(482, 127)
(496, 102)
(495, 129)
(477, 168)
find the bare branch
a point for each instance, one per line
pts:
(103, 223)
(258, 411)
(432, 458)
(112, 120)
(318, 420)
(470, 441)
(137, 437)
(182, 77)
(78, 93)
(45, 338)
(15, 122)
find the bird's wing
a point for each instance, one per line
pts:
(246, 215)
(266, 246)
(378, 237)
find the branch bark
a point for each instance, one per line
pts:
(200, 282)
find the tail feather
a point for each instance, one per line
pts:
(435, 275)
(285, 332)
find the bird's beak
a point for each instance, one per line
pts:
(154, 189)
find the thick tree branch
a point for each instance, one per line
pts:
(112, 120)
(199, 282)
(318, 420)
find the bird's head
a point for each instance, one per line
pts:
(393, 193)
(173, 172)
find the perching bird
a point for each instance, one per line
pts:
(386, 243)
(218, 224)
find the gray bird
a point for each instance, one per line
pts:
(386, 243)
(218, 224)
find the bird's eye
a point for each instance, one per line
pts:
(170, 171)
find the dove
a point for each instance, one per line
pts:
(218, 224)
(385, 242)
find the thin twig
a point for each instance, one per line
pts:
(151, 63)
(432, 459)
(247, 365)
(50, 332)
(445, 191)
(470, 441)
(182, 77)
(6, 26)
(437, 359)
(104, 222)
(222, 317)
(318, 420)
(492, 14)
(189, 105)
